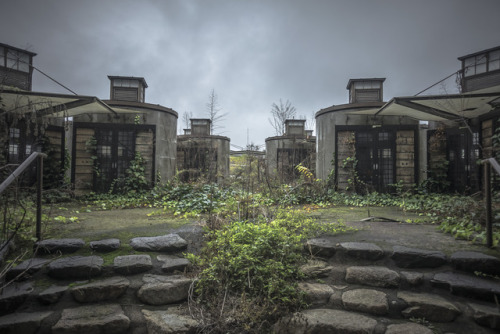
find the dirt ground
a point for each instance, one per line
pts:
(125, 224)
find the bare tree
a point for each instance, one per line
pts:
(280, 114)
(186, 119)
(213, 111)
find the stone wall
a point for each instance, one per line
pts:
(405, 157)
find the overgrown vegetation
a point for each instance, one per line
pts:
(247, 273)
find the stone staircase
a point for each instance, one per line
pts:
(353, 287)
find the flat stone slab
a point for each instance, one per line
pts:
(316, 293)
(427, 306)
(13, 296)
(173, 263)
(362, 250)
(79, 267)
(132, 264)
(316, 268)
(22, 323)
(105, 246)
(487, 316)
(108, 319)
(475, 261)
(165, 243)
(406, 257)
(27, 268)
(366, 300)
(372, 276)
(158, 322)
(163, 290)
(320, 247)
(412, 278)
(408, 328)
(468, 286)
(326, 321)
(64, 246)
(52, 294)
(107, 289)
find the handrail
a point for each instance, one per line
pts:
(17, 172)
(488, 163)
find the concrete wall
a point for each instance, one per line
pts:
(214, 150)
(326, 145)
(300, 144)
(158, 147)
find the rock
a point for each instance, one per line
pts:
(406, 257)
(430, 307)
(164, 322)
(362, 250)
(325, 321)
(26, 268)
(487, 316)
(366, 300)
(13, 296)
(79, 267)
(64, 246)
(468, 286)
(108, 319)
(475, 261)
(173, 263)
(132, 264)
(52, 294)
(164, 243)
(373, 276)
(22, 323)
(412, 278)
(106, 245)
(320, 247)
(316, 268)
(408, 328)
(316, 293)
(163, 290)
(110, 288)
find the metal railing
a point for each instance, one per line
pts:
(488, 163)
(38, 156)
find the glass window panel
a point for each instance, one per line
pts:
(2, 56)
(11, 63)
(480, 64)
(117, 82)
(469, 68)
(13, 149)
(494, 61)
(28, 149)
(14, 133)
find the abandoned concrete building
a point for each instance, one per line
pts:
(98, 138)
(110, 141)
(352, 139)
(22, 129)
(408, 140)
(201, 154)
(284, 153)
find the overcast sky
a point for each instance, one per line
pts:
(251, 52)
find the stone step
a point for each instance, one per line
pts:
(101, 290)
(404, 257)
(468, 286)
(76, 267)
(63, 246)
(109, 319)
(25, 323)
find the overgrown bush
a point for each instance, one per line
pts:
(248, 272)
